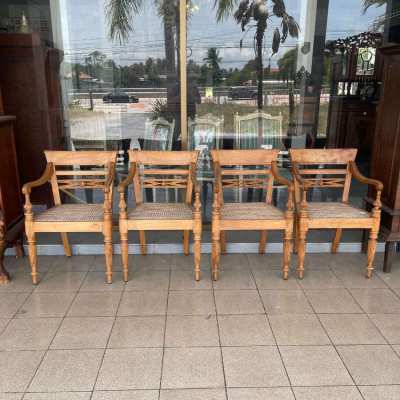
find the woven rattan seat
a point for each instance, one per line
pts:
(161, 211)
(335, 210)
(71, 213)
(250, 211)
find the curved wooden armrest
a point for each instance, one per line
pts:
(129, 179)
(283, 181)
(355, 172)
(297, 176)
(110, 177)
(193, 177)
(47, 174)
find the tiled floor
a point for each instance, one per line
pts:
(250, 336)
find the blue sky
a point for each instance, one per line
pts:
(85, 30)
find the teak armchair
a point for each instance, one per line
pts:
(331, 168)
(168, 170)
(261, 216)
(79, 217)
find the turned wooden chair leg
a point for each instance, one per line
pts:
(301, 251)
(373, 235)
(287, 242)
(124, 255)
(197, 254)
(142, 240)
(67, 248)
(216, 251)
(186, 242)
(336, 240)
(222, 236)
(263, 241)
(108, 252)
(32, 256)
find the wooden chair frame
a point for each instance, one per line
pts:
(310, 177)
(236, 178)
(64, 180)
(181, 165)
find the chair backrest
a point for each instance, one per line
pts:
(324, 168)
(94, 167)
(245, 169)
(158, 135)
(257, 129)
(205, 130)
(163, 169)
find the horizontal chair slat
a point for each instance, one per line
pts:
(164, 172)
(239, 172)
(81, 172)
(163, 157)
(323, 171)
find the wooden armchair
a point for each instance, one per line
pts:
(168, 170)
(340, 168)
(79, 217)
(249, 216)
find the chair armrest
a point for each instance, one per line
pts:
(193, 177)
(297, 176)
(110, 177)
(286, 182)
(47, 174)
(355, 172)
(129, 179)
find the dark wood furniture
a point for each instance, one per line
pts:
(30, 83)
(11, 211)
(386, 151)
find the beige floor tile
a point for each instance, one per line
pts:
(17, 369)
(320, 280)
(67, 370)
(272, 279)
(58, 396)
(191, 331)
(180, 261)
(265, 261)
(95, 282)
(83, 333)
(61, 281)
(3, 323)
(245, 330)
(371, 365)
(80, 263)
(355, 279)
(99, 264)
(21, 281)
(137, 332)
(377, 301)
(148, 280)
(154, 261)
(137, 303)
(46, 305)
(298, 329)
(327, 393)
(126, 369)
(351, 329)
(193, 394)
(314, 366)
(235, 279)
(285, 302)
(186, 368)
(333, 301)
(385, 392)
(184, 280)
(95, 304)
(238, 302)
(200, 302)
(396, 348)
(388, 325)
(29, 333)
(253, 367)
(125, 395)
(260, 394)
(10, 303)
(11, 396)
(233, 261)
(392, 279)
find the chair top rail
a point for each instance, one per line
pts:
(163, 157)
(322, 156)
(245, 157)
(80, 157)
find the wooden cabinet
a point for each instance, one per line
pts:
(386, 150)
(30, 83)
(11, 208)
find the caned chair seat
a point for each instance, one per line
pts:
(165, 211)
(335, 210)
(251, 211)
(72, 213)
